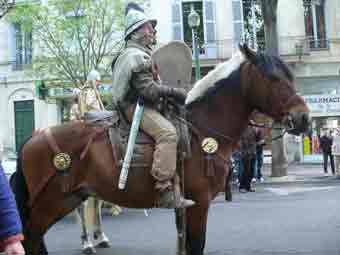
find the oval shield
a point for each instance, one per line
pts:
(174, 61)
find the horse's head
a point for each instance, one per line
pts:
(269, 86)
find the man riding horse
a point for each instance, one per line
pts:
(135, 78)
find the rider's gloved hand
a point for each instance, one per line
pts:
(179, 94)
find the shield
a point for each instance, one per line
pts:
(174, 60)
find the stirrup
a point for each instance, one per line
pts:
(168, 200)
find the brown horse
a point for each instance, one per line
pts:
(218, 106)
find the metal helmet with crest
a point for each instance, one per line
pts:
(135, 18)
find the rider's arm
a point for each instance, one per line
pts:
(142, 79)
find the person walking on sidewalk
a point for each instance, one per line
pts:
(336, 151)
(326, 142)
(260, 143)
(248, 157)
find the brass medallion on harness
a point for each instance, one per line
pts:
(209, 145)
(62, 161)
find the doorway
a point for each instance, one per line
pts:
(24, 121)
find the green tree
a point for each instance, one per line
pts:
(72, 37)
(6, 6)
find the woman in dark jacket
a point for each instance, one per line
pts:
(10, 224)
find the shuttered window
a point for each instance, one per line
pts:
(176, 20)
(238, 23)
(186, 9)
(315, 25)
(209, 21)
(206, 31)
(22, 52)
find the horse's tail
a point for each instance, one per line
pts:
(20, 190)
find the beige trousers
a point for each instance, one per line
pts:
(165, 154)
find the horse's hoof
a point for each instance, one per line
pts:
(101, 241)
(89, 251)
(104, 244)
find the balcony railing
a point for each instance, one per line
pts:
(288, 46)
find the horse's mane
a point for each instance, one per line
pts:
(208, 82)
(268, 66)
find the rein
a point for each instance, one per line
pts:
(284, 130)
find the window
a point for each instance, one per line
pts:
(238, 22)
(315, 24)
(186, 8)
(253, 24)
(23, 47)
(206, 31)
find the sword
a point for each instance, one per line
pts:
(137, 116)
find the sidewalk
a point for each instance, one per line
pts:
(299, 173)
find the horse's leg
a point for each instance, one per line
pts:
(34, 244)
(196, 229)
(228, 186)
(99, 236)
(87, 246)
(42, 216)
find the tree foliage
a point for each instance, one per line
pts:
(5, 7)
(72, 37)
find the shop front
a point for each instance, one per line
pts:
(325, 114)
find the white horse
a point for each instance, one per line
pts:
(91, 225)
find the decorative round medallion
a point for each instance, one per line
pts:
(62, 161)
(209, 145)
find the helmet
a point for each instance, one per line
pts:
(135, 18)
(94, 75)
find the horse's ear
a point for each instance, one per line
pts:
(247, 52)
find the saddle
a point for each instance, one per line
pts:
(143, 151)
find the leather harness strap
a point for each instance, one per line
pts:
(97, 131)
(51, 141)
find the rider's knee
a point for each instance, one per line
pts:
(169, 136)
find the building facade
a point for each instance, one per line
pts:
(309, 41)
(21, 111)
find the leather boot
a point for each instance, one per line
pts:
(170, 200)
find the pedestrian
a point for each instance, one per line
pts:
(10, 223)
(336, 151)
(260, 143)
(238, 166)
(326, 142)
(248, 157)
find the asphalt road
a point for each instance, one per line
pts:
(292, 219)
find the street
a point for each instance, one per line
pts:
(288, 218)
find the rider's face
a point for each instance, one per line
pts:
(149, 33)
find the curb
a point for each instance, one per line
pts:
(311, 180)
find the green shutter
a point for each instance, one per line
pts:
(24, 121)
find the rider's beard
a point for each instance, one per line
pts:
(144, 39)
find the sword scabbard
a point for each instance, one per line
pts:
(137, 117)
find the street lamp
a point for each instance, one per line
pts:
(194, 22)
